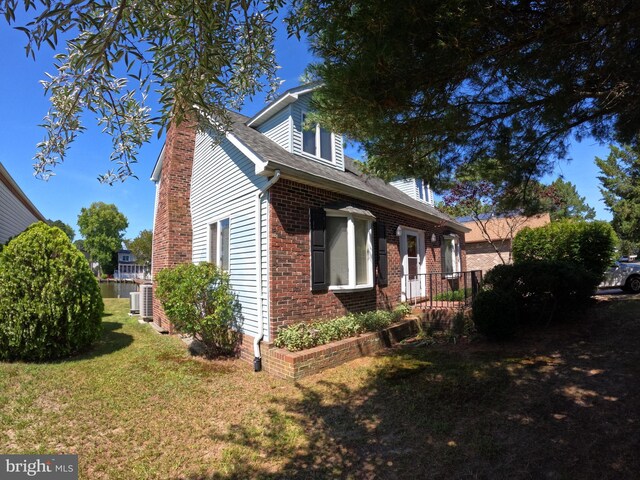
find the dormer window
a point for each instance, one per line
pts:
(317, 141)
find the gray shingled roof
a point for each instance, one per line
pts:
(301, 167)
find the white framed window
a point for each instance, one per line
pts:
(317, 141)
(349, 251)
(125, 258)
(218, 251)
(450, 252)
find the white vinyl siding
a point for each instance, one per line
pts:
(278, 128)
(298, 109)
(14, 216)
(415, 188)
(224, 186)
(406, 186)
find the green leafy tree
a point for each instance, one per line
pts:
(620, 186)
(102, 226)
(141, 247)
(64, 227)
(564, 202)
(79, 244)
(482, 194)
(429, 85)
(425, 85)
(202, 57)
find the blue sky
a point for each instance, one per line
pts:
(23, 104)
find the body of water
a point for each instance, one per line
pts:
(117, 290)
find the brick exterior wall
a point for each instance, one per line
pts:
(296, 365)
(291, 298)
(172, 233)
(482, 256)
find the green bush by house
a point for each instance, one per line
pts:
(495, 314)
(556, 270)
(301, 336)
(589, 244)
(50, 303)
(199, 302)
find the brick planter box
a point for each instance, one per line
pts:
(296, 365)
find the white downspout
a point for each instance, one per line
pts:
(257, 360)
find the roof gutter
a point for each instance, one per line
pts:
(310, 179)
(257, 356)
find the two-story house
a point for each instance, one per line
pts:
(303, 233)
(128, 268)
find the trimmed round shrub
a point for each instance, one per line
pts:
(495, 314)
(50, 303)
(199, 302)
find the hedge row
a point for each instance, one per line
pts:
(589, 244)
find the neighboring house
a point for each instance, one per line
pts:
(303, 233)
(484, 255)
(16, 210)
(128, 268)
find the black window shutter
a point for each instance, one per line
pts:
(319, 274)
(383, 277)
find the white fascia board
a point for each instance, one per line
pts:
(320, 182)
(5, 177)
(157, 169)
(250, 154)
(267, 112)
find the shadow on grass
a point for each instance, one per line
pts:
(111, 341)
(565, 408)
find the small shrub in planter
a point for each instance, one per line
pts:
(300, 336)
(453, 295)
(199, 302)
(495, 314)
(50, 303)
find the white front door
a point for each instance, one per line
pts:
(412, 251)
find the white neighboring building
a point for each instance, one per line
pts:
(16, 210)
(128, 269)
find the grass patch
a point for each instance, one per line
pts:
(564, 403)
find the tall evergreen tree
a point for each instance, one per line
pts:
(564, 202)
(428, 85)
(620, 180)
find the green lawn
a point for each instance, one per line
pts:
(559, 404)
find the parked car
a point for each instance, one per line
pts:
(623, 275)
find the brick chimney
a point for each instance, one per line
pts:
(172, 233)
